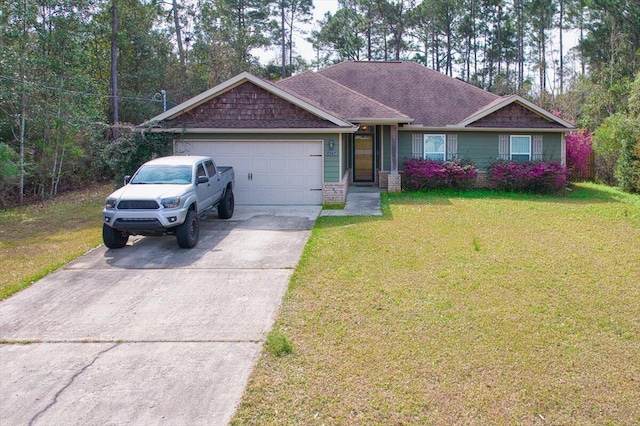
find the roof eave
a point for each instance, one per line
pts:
(381, 121)
(180, 130)
(456, 128)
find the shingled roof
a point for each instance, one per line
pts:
(340, 100)
(348, 94)
(432, 99)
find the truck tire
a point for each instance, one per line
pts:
(225, 208)
(187, 233)
(113, 238)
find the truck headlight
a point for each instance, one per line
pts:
(110, 203)
(171, 203)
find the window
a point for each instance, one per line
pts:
(211, 169)
(520, 148)
(434, 147)
(200, 171)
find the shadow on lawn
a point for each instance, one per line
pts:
(583, 193)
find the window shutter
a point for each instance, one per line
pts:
(503, 147)
(416, 145)
(536, 149)
(452, 146)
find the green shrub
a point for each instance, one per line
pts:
(133, 148)
(607, 143)
(627, 171)
(9, 171)
(278, 344)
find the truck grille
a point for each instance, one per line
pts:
(138, 205)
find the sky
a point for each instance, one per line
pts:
(303, 48)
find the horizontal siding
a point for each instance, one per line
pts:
(405, 148)
(482, 147)
(331, 164)
(552, 147)
(386, 142)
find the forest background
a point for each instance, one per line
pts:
(76, 74)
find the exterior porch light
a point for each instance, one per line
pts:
(331, 145)
(363, 128)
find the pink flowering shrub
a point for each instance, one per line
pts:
(541, 177)
(424, 175)
(578, 151)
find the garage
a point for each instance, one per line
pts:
(267, 172)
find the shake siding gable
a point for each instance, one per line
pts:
(515, 116)
(248, 106)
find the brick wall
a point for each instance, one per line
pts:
(482, 181)
(394, 183)
(383, 179)
(336, 192)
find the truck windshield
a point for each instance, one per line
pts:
(170, 175)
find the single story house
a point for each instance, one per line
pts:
(306, 138)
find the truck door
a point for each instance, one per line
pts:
(217, 185)
(205, 191)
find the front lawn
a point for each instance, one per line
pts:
(481, 308)
(38, 238)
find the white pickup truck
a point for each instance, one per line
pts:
(167, 196)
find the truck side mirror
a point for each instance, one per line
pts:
(202, 179)
(127, 178)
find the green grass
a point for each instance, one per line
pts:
(37, 239)
(473, 308)
(339, 206)
(277, 344)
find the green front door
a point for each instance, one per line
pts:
(363, 158)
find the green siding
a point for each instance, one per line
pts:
(331, 164)
(482, 147)
(405, 151)
(344, 153)
(386, 150)
(552, 147)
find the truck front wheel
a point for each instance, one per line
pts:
(187, 233)
(113, 238)
(225, 208)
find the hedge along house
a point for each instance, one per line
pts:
(306, 138)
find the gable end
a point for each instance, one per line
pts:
(248, 106)
(515, 116)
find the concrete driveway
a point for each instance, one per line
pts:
(150, 334)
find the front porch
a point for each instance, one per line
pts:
(360, 201)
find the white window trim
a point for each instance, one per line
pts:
(424, 146)
(512, 153)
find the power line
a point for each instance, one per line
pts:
(76, 92)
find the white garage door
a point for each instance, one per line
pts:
(268, 173)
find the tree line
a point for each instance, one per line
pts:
(73, 73)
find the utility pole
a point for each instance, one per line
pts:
(114, 70)
(284, 56)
